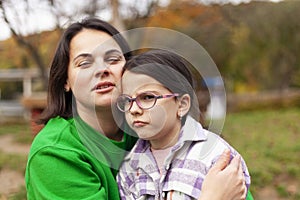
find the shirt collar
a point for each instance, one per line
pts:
(192, 131)
(107, 151)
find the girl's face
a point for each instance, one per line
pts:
(95, 67)
(159, 124)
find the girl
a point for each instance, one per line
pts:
(174, 152)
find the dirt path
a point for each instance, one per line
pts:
(8, 145)
(11, 181)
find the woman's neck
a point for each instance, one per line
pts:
(103, 121)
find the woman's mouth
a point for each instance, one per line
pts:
(104, 87)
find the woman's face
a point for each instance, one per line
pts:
(95, 67)
(158, 124)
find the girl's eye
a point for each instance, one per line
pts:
(147, 97)
(127, 100)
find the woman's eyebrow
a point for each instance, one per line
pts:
(113, 51)
(85, 55)
(88, 55)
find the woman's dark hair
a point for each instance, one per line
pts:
(59, 102)
(168, 68)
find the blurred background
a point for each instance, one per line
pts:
(255, 45)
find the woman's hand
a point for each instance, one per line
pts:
(225, 181)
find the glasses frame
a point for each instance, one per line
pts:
(135, 99)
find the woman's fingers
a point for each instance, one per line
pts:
(241, 174)
(237, 170)
(236, 162)
(225, 180)
(223, 161)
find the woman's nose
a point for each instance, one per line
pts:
(101, 68)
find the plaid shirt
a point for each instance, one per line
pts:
(184, 168)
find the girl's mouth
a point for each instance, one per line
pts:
(139, 123)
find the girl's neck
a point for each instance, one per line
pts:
(167, 139)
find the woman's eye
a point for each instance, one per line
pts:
(113, 60)
(84, 63)
(83, 60)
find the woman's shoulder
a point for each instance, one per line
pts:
(57, 133)
(58, 123)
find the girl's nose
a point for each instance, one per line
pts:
(135, 109)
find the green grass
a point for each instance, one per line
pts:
(22, 134)
(20, 129)
(16, 162)
(269, 141)
(13, 161)
(14, 127)
(21, 195)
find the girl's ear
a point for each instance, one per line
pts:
(184, 105)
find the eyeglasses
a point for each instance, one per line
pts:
(144, 101)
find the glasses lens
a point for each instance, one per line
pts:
(123, 103)
(146, 100)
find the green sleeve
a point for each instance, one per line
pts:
(249, 196)
(55, 173)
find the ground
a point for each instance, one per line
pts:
(11, 181)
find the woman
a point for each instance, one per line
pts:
(62, 164)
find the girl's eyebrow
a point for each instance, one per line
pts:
(148, 91)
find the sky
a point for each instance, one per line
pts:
(42, 20)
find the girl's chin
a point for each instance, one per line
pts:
(145, 136)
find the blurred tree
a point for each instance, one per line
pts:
(35, 46)
(204, 24)
(255, 45)
(265, 44)
(23, 42)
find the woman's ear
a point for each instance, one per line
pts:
(184, 105)
(67, 87)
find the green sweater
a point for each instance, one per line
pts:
(61, 167)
